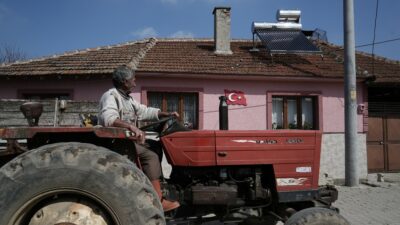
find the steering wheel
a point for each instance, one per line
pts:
(159, 126)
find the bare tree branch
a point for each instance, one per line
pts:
(10, 54)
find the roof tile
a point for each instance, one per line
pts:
(196, 56)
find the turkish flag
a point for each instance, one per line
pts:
(235, 97)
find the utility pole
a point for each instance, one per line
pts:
(350, 94)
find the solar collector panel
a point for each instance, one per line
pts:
(285, 41)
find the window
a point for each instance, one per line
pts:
(294, 112)
(186, 104)
(45, 94)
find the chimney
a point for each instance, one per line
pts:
(222, 30)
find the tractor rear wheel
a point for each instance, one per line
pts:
(76, 184)
(317, 216)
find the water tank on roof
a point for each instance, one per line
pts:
(288, 16)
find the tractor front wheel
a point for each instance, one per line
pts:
(317, 216)
(76, 184)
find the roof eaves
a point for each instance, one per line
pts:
(187, 74)
(199, 40)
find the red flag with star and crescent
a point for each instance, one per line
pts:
(234, 97)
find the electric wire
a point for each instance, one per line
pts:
(376, 19)
(379, 42)
(373, 41)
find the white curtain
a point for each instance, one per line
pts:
(277, 113)
(292, 113)
(308, 113)
(190, 111)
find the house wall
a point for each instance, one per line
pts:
(332, 165)
(254, 115)
(87, 89)
(250, 117)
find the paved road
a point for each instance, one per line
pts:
(375, 204)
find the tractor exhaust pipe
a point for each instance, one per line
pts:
(223, 113)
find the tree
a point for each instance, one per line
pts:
(10, 54)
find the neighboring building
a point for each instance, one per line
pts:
(281, 91)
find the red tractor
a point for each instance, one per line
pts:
(89, 176)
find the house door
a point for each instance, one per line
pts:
(383, 143)
(375, 145)
(383, 139)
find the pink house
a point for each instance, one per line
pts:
(282, 91)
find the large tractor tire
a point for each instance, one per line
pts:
(317, 216)
(76, 184)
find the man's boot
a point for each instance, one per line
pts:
(166, 204)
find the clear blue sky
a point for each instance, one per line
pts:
(47, 27)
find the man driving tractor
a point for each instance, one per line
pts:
(119, 109)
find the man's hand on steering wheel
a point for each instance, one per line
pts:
(168, 114)
(139, 134)
(165, 120)
(174, 114)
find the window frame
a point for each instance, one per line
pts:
(198, 91)
(318, 116)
